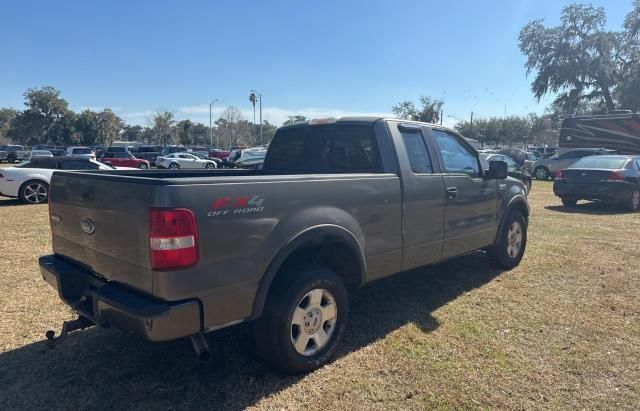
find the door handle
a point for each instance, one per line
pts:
(452, 192)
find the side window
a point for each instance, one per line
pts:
(73, 165)
(457, 157)
(417, 152)
(511, 165)
(637, 163)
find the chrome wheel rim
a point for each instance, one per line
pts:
(541, 173)
(514, 239)
(635, 200)
(313, 322)
(35, 193)
(209, 165)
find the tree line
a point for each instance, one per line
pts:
(47, 119)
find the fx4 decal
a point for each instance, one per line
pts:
(236, 205)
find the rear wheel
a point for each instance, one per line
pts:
(143, 166)
(633, 203)
(303, 321)
(510, 243)
(569, 202)
(174, 166)
(210, 165)
(34, 192)
(542, 173)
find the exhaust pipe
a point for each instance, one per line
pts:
(201, 347)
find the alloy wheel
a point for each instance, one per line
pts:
(514, 240)
(313, 322)
(35, 193)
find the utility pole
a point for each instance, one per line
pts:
(211, 125)
(252, 99)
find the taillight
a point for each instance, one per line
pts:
(559, 175)
(173, 239)
(615, 176)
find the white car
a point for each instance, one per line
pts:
(29, 181)
(81, 152)
(40, 153)
(183, 160)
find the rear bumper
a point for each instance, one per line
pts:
(608, 191)
(109, 304)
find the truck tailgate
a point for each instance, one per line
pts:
(103, 225)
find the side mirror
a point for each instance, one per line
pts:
(497, 170)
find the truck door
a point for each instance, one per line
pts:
(471, 208)
(423, 198)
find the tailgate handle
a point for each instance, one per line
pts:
(452, 192)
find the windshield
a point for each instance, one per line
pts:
(609, 163)
(82, 151)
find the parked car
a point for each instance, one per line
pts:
(81, 152)
(251, 157)
(58, 152)
(513, 169)
(547, 168)
(217, 153)
(40, 153)
(148, 152)
(173, 149)
(29, 181)
(203, 156)
(183, 160)
(337, 205)
(605, 178)
(117, 149)
(12, 153)
(124, 159)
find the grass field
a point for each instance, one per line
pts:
(562, 331)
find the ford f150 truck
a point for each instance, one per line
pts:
(337, 204)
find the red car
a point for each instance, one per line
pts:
(217, 153)
(124, 160)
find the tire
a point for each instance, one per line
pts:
(210, 166)
(511, 242)
(527, 185)
(633, 202)
(297, 311)
(569, 202)
(143, 166)
(34, 192)
(174, 166)
(542, 173)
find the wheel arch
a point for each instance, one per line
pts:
(337, 243)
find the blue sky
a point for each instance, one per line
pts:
(315, 58)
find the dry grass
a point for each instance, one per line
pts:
(561, 331)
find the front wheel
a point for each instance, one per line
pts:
(510, 243)
(303, 321)
(143, 166)
(174, 166)
(569, 202)
(210, 166)
(34, 192)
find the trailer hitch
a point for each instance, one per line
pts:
(79, 323)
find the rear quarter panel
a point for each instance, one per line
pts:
(243, 225)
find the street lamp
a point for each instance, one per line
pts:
(260, 99)
(211, 125)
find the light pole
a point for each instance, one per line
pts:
(211, 125)
(252, 99)
(259, 98)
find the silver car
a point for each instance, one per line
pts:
(547, 168)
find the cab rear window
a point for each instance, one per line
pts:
(339, 148)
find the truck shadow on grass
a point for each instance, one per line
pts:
(107, 369)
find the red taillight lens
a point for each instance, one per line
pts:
(173, 239)
(559, 175)
(615, 176)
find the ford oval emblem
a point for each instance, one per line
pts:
(87, 226)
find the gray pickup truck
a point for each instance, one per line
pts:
(337, 204)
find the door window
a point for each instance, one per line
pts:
(457, 157)
(417, 151)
